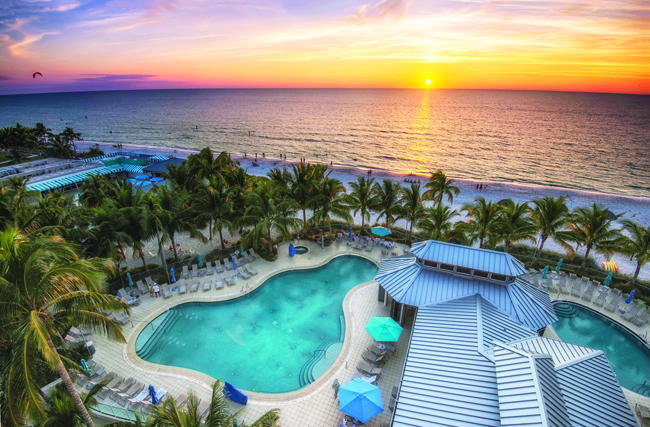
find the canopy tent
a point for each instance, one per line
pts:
(380, 231)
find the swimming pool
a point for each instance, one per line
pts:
(265, 341)
(629, 355)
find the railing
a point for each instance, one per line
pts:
(345, 360)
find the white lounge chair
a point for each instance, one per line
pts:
(195, 270)
(219, 266)
(641, 318)
(252, 252)
(195, 285)
(600, 299)
(615, 301)
(182, 286)
(218, 282)
(243, 273)
(166, 293)
(589, 293)
(228, 265)
(251, 270)
(577, 289)
(209, 270)
(142, 287)
(633, 311)
(207, 284)
(186, 272)
(229, 280)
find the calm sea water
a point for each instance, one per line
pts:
(588, 141)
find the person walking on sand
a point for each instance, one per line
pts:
(156, 290)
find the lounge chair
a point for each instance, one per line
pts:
(394, 392)
(589, 293)
(161, 393)
(600, 300)
(374, 350)
(251, 270)
(182, 286)
(207, 284)
(367, 369)
(115, 382)
(248, 257)
(186, 273)
(243, 273)
(369, 247)
(371, 357)
(195, 285)
(166, 293)
(392, 403)
(219, 266)
(631, 314)
(124, 386)
(641, 318)
(643, 412)
(228, 265)
(209, 270)
(130, 393)
(229, 280)
(195, 270)
(381, 361)
(253, 253)
(149, 281)
(615, 301)
(106, 377)
(181, 400)
(218, 282)
(124, 294)
(144, 289)
(136, 402)
(240, 262)
(577, 289)
(121, 319)
(204, 406)
(562, 283)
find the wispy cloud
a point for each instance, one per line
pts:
(19, 48)
(383, 9)
(113, 77)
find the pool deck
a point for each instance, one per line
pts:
(312, 405)
(632, 397)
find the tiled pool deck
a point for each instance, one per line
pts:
(314, 405)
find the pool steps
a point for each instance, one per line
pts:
(306, 375)
(151, 345)
(642, 389)
(566, 310)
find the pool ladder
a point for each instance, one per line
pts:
(642, 389)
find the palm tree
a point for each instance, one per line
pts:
(301, 185)
(205, 165)
(329, 201)
(362, 198)
(388, 201)
(58, 146)
(516, 224)
(267, 213)
(62, 411)
(551, 217)
(592, 229)
(94, 191)
(484, 220)
(436, 222)
(636, 245)
(438, 187)
(214, 203)
(281, 179)
(411, 205)
(181, 177)
(70, 136)
(44, 287)
(218, 415)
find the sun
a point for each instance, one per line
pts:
(428, 81)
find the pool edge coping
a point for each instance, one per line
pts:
(206, 381)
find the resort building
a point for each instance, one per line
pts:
(476, 355)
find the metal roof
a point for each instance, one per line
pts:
(562, 352)
(62, 181)
(496, 325)
(529, 392)
(162, 166)
(532, 309)
(469, 257)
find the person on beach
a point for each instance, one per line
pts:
(244, 155)
(255, 156)
(263, 156)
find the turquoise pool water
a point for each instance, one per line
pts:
(577, 325)
(265, 341)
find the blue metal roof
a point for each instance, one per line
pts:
(530, 310)
(469, 257)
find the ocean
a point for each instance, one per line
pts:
(586, 141)
(588, 147)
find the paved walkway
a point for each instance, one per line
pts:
(313, 405)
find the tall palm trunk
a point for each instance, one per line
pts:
(69, 385)
(584, 261)
(144, 261)
(636, 272)
(270, 242)
(542, 240)
(507, 246)
(363, 219)
(411, 229)
(223, 246)
(171, 236)
(210, 228)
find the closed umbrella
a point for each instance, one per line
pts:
(234, 266)
(559, 264)
(292, 249)
(384, 329)
(200, 261)
(544, 272)
(173, 278)
(350, 235)
(84, 365)
(128, 275)
(608, 279)
(380, 231)
(629, 299)
(360, 399)
(152, 393)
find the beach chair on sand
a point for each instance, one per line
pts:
(186, 273)
(365, 368)
(195, 270)
(218, 282)
(182, 286)
(577, 289)
(251, 270)
(219, 266)
(166, 293)
(207, 284)
(209, 270)
(195, 285)
(615, 301)
(142, 288)
(253, 253)
(589, 293)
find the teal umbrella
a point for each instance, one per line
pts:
(544, 272)
(200, 261)
(559, 264)
(84, 365)
(608, 279)
(380, 231)
(384, 329)
(130, 281)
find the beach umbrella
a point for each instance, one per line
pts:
(234, 266)
(157, 179)
(131, 180)
(559, 264)
(142, 183)
(292, 249)
(128, 275)
(629, 299)
(360, 399)
(380, 231)
(608, 279)
(200, 261)
(173, 278)
(544, 272)
(384, 329)
(142, 177)
(152, 393)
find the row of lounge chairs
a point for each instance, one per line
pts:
(372, 364)
(218, 267)
(205, 283)
(585, 289)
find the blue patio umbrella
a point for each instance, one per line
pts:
(544, 272)
(384, 329)
(142, 177)
(360, 399)
(128, 275)
(200, 261)
(143, 183)
(559, 264)
(608, 279)
(292, 249)
(234, 266)
(152, 393)
(380, 231)
(416, 240)
(629, 299)
(173, 278)
(350, 235)
(157, 179)
(131, 180)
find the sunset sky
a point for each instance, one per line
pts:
(596, 45)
